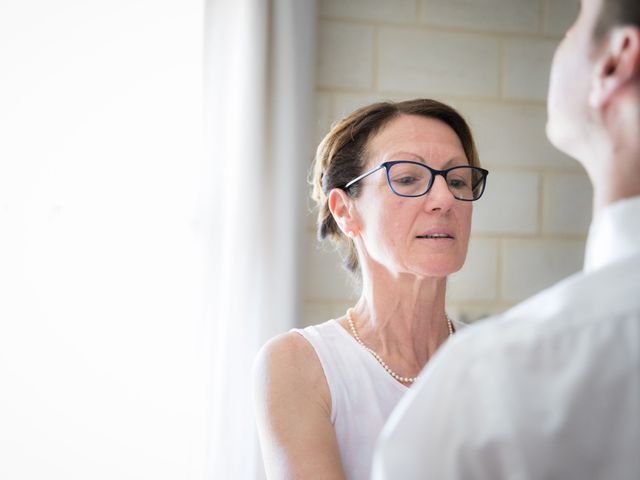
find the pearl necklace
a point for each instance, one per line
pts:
(377, 357)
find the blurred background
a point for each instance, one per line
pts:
(490, 59)
(155, 226)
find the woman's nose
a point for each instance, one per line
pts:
(439, 196)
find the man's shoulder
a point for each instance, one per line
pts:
(516, 379)
(573, 306)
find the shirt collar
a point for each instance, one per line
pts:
(614, 234)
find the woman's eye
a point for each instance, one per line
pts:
(406, 180)
(457, 183)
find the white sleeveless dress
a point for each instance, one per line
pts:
(363, 394)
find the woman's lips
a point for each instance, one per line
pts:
(437, 234)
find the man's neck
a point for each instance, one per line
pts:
(619, 179)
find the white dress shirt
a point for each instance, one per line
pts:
(548, 390)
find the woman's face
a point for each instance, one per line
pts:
(394, 230)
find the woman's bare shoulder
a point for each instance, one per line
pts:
(292, 399)
(287, 364)
(288, 351)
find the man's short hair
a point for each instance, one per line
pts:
(616, 13)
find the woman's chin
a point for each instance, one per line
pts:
(438, 270)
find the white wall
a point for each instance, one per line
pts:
(490, 59)
(101, 258)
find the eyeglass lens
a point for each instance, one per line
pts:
(410, 179)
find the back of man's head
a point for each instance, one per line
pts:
(617, 12)
(594, 97)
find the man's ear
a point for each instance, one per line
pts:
(344, 212)
(618, 66)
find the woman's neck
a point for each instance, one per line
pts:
(402, 317)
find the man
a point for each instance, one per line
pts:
(551, 389)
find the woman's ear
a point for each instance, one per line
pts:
(343, 210)
(618, 66)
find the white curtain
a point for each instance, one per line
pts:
(101, 261)
(259, 86)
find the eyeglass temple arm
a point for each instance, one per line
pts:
(365, 174)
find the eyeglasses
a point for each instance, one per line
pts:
(413, 179)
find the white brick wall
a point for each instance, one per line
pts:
(526, 63)
(480, 277)
(509, 204)
(416, 60)
(513, 135)
(565, 195)
(375, 10)
(490, 59)
(560, 15)
(529, 266)
(324, 116)
(345, 56)
(501, 15)
(326, 279)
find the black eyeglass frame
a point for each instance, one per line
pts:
(387, 166)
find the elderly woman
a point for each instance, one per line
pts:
(394, 184)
